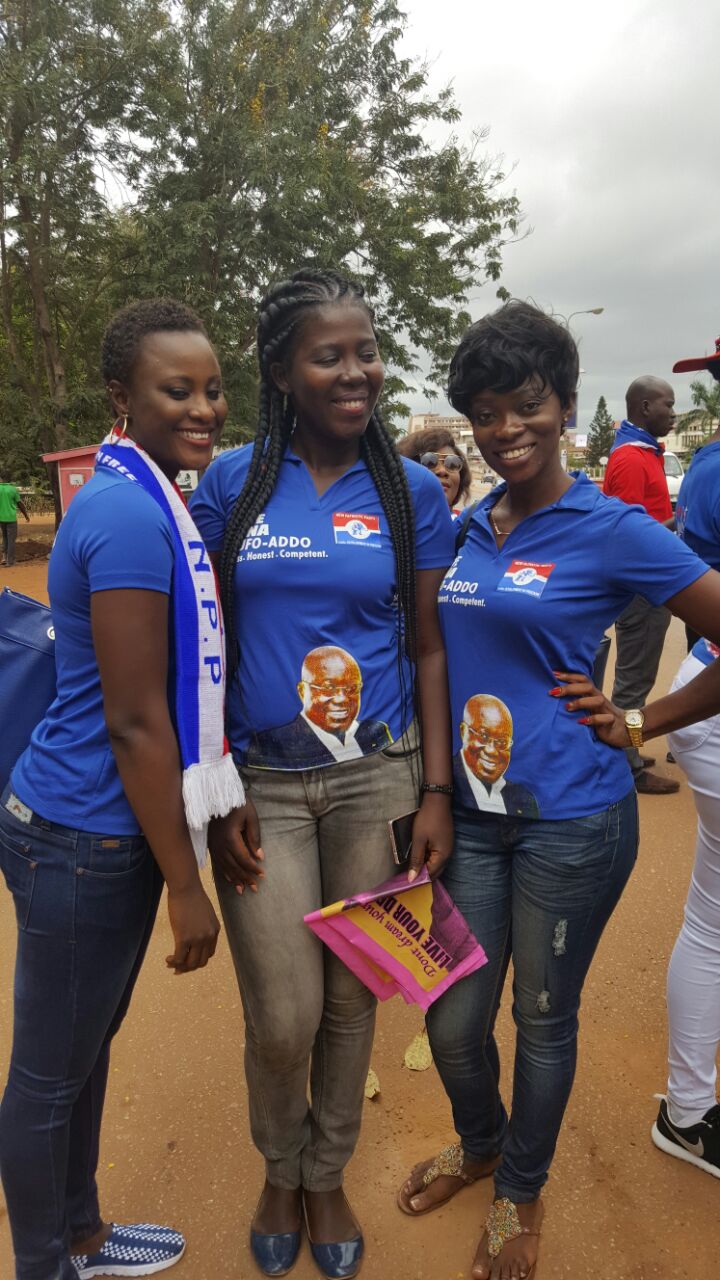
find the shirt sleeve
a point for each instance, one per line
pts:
(645, 558)
(125, 541)
(434, 529)
(211, 503)
(625, 476)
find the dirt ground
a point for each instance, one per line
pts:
(176, 1147)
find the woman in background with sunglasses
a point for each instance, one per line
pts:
(436, 449)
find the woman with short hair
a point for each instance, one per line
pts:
(545, 810)
(114, 792)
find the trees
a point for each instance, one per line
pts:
(601, 435)
(71, 74)
(202, 148)
(296, 135)
(706, 414)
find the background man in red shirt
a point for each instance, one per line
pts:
(636, 474)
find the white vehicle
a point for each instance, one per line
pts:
(674, 475)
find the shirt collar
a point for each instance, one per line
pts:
(628, 433)
(290, 456)
(483, 797)
(583, 495)
(331, 740)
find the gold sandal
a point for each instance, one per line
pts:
(449, 1164)
(503, 1225)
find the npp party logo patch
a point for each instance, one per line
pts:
(527, 577)
(349, 528)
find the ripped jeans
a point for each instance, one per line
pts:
(541, 893)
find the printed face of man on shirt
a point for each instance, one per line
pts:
(330, 688)
(486, 730)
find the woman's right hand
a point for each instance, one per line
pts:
(601, 715)
(195, 928)
(234, 843)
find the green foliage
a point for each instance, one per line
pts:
(601, 435)
(706, 414)
(72, 79)
(202, 149)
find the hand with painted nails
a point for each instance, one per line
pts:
(599, 714)
(234, 844)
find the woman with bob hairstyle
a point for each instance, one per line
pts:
(545, 812)
(437, 449)
(114, 792)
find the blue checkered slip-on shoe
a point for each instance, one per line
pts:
(137, 1250)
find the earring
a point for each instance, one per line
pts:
(124, 427)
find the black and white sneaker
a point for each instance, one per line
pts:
(699, 1144)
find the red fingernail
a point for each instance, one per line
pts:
(555, 693)
(584, 720)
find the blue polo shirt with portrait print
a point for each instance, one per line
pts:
(698, 505)
(318, 574)
(511, 617)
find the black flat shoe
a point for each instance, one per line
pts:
(341, 1260)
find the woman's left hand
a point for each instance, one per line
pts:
(432, 838)
(607, 720)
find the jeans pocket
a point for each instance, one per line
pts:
(404, 747)
(107, 857)
(692, 736)
(19, 870)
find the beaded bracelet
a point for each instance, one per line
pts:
(444, 788)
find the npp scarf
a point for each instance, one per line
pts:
(211, 786)
(628, 433)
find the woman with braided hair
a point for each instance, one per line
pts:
(331, 551)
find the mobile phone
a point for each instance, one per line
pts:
(401, 836)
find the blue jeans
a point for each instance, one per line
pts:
(85, 907)
(541, 893)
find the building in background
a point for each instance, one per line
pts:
(686, 436)
(455, 423)
(460, 428)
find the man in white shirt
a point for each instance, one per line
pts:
(480, 766)
(328, 727)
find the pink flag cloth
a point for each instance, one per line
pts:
(400, 937)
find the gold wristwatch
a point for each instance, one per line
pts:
(634, 721)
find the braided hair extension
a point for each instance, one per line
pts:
(282, 312)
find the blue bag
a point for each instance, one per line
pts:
(28, 680)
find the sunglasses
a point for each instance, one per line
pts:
(450, 461)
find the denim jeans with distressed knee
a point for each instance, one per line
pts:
(540, 892)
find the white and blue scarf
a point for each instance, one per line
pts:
(628, 433)
(211, 786)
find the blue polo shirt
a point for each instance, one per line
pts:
(511, 617)
(318, 573)
(698, 505)
(114, 536)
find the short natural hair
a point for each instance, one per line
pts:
(127, 328)
(516, 344)
(430, 441)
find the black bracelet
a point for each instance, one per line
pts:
(444, 788)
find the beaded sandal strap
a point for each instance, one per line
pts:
(503, 1224)
(449, 1163)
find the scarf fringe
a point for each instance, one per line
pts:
(210, 790)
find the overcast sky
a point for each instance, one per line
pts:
(610, 115)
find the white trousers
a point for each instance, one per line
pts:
(693, 986)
